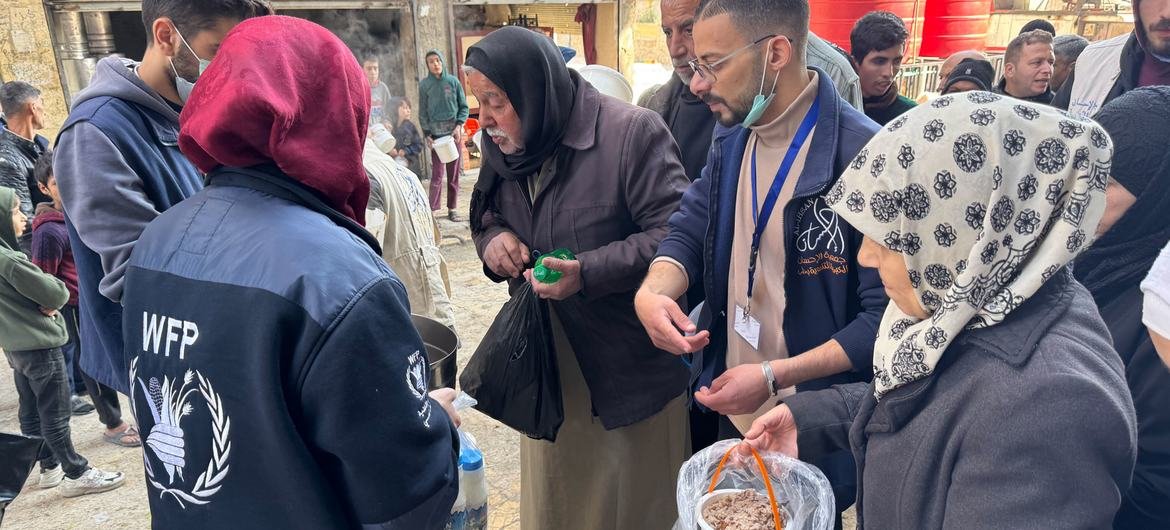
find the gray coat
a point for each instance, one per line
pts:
(1027, 424)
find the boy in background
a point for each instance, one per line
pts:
(31, 335)
(52, 253)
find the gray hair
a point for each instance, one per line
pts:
(468, 70)
(15, 97)
(1069, 47)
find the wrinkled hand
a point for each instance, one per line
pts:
(446, 399)
(666, 323)
(48, 312)
(457, 134)
(740, 390)
(568, 285)
(774, 431)
(506, 256)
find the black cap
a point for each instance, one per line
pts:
(1038, 24)
(977, 71)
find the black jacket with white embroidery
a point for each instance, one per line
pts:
(276, 376)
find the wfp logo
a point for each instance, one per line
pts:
(170, 402)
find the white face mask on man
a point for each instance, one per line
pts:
(182, 85)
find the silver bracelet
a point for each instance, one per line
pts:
(770, 377)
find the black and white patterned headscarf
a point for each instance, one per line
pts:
(986, 197)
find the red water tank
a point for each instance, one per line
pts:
(832, 20)
(955, 25)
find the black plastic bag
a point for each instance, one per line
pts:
(513, 373)
(18, 454)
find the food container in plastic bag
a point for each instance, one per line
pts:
(720, 488)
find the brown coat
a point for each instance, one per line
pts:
(608, 202)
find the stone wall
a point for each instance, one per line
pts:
(26, 54)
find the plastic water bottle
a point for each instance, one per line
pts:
(546, 275)
(473, 489)
(458, 520)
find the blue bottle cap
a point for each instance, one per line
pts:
(470, 460)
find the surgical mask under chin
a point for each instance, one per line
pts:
(182, 85)
(760, 102)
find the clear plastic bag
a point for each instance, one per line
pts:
(797, 492)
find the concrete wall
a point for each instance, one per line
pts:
(432, 31)
(607, 35)
(26, 54)
(626, 48)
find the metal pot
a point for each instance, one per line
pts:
(442, 350)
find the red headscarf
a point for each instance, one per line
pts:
(286, 91)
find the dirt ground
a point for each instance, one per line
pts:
(476, 302)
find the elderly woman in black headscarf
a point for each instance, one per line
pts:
(566, 167)
(1134, 229)
(997, 401)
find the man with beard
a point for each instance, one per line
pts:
(118, 161)
(1027, 67)
(878, 44)
(690, 121)
(565, 167)
(787, 307)
(1113, 67)
(692, 124)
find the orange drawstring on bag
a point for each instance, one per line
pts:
(763, 474)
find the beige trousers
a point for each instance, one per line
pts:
(594, 479)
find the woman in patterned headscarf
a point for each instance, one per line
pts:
(997, 401)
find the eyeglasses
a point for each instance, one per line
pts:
(707, 71)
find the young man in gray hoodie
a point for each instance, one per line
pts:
(118, 159)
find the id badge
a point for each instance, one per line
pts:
(747, 327)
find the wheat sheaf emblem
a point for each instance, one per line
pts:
(169, 402)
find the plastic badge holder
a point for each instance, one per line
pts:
(799, 494)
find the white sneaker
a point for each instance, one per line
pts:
(50, 478)
(92, 481)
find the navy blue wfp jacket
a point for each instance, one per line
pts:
(275, 374)
(829, 296)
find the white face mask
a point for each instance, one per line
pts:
(182, 85)
(760, 102)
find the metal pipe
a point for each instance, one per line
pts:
(73, 52)
(100, 33)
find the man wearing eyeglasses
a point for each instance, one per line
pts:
(689, 119)
(692, 123)
(788, 308)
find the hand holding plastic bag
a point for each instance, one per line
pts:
(798, 492)
(513, 373)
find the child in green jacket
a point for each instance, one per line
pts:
(31, 335)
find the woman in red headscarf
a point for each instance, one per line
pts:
(275, 372)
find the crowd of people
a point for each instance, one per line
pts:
(958, 309)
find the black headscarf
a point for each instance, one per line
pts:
(1139, 123)
(530, 70)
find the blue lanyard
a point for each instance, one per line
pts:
(765, 214)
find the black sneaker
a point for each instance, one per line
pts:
(80, 406)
